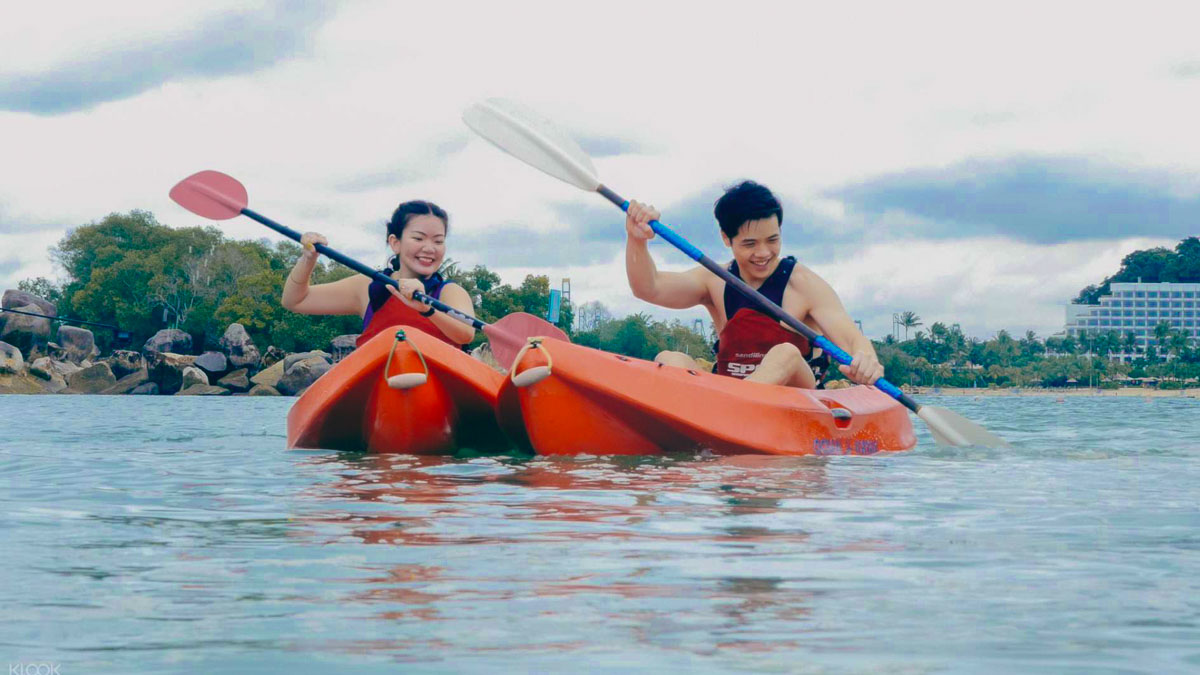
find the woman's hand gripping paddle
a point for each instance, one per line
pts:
(536, 141)
(216, 196)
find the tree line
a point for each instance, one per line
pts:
(132, 271)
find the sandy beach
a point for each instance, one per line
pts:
(1057, 392)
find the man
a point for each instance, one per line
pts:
(752, 345)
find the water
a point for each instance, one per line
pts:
(176, 535)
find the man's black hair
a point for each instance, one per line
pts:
(744, 202)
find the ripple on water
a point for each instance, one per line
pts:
(176, 534)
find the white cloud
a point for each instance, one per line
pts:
(800, 96)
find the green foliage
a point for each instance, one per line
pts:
(1154, 265)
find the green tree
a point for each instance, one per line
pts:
(909, 320)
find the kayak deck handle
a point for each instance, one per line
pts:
(531, 376)
(403, 381)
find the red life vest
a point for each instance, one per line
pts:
(746, 339)
(749, 334)
(395, 313)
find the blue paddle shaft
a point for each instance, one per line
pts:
(774, 310)
(363, 269)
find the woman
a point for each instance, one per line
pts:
(417, 238)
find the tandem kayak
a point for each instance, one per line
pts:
(568, 399)
(402, 391)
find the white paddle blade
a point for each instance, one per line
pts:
(950, 428)
(533, 139)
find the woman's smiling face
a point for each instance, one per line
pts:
(422, 245)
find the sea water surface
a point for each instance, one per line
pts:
(177, 535)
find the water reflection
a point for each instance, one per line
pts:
(543, 538)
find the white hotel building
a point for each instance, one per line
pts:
(1138, 308)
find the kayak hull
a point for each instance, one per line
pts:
(353, 407)
(594, 402)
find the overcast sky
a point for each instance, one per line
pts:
(974, 166)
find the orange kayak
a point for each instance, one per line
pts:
(568, 399)
(429, 399)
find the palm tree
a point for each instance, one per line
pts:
(1162, 330)
(909, 320)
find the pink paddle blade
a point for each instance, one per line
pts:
(511, 332)
(211, 194)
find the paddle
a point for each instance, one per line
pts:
(216, 196)
(536, 141)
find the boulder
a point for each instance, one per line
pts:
(11, 360)
(46, 367)
(145, 389)
(91, 380)
(169, 340)
(203, 390)
(274, 354)
(166, 370)
(191, 376)
(14, 299)
(77, 343)
(214, 364)
(301, 374)
(342, 345)
(128, 383)
(271, 376)
(264, 390)
(124, 361)
(236, 381)
(23, 383)
(27, 333)
(241, 349)
(292, 359)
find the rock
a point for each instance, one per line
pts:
(23, 383)
(166, 370)
(170, 340)
(301, 374)
(46, 367)
(53, 372)
(192, 376)
(342, 345)
(241, 350)
(27, 333)
(484, 353)
(11, 360)
(124, 361)
(145, 389)
(214, 364)
(274, 355)
(128, 383)
(14, 299)
(236, 381)
(91, 380)
(77, 343)
(271, 376)
(203, 390)
(264, 390)
(292, 359)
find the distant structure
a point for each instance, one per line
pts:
(1137, 308)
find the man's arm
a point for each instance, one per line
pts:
(674, 290)
(826, 309)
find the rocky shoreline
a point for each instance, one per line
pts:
(70, 363)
